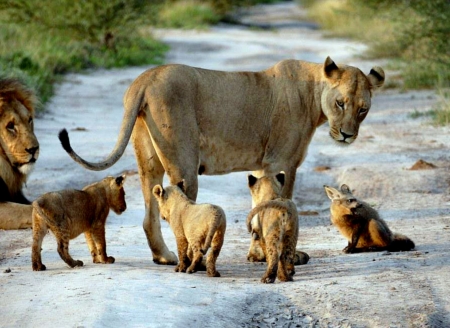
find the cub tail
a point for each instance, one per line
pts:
(401, 243)
(275, 204)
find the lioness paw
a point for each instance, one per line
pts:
(38, 267)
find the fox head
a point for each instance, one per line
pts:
(343, 200)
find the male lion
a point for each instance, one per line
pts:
(19, 150)
(196, 227)
(68, 213)
(188, 121)
(273, 223)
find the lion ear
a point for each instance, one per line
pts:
(158, 191)
(251, 180)
(376, 77)
(330, 69)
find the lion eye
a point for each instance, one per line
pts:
(340, 104)
(30, 121)
(10, 126)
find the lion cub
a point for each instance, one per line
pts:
(197, 227)
(68, 213)
(276, 227)
(361, 225)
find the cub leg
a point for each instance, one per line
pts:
(92, 247)
(39, 231)
(286, 267)
(151, 173)
(98, 234)
(216, 246)
(272, 258)
(182, 246)
(63, 251)
(197, 257)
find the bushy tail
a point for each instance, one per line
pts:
(275, 204)
(401, 243)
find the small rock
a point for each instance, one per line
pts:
(7, 271)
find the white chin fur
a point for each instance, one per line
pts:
(26, 169)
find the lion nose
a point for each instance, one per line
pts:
(345, 135)
(32, 150)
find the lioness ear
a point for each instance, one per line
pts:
(281, 178)
(330, 69)
(158, 191)
(181, 185)
(376, 77)
(331, 192)
(251, 180)
(120, 180)
(345, 189)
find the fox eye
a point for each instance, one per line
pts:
(351, 200)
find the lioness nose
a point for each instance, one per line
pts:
(32, 150)
(345, 135)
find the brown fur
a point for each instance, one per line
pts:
(197, 227)
(361, 225)
(19, 150)
(273, 223)
(68, 213)
(186, 120)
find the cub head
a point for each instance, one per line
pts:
(346, 99)
(168, 198)
(19, 148)
(343, 199)
(266, 187)
(117, 201)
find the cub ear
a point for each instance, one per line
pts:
(281, 178)
(158, 191)
(120, 180)
(251, 180)
(181, 186)
(332, 193)
(345, 189)
(330, 69)
(376, 77)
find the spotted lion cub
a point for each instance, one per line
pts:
(275, 226)
(197, 227)
(68, 213)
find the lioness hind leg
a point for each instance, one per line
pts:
(151, 173)
(255, 252)
(63, 251)
(39, 231)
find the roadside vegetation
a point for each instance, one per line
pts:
(413, 35)
(42, 40)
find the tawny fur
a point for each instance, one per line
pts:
(186, 121)
(274, 222)
(69, 213)
(197, 227)
(19, 150)
(361, 224)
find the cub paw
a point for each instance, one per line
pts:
(267, 280)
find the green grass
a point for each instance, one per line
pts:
(188, 15)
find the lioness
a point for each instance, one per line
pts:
(19, 150)
(197, 227)
(275, 227)
(188, 121)
(68, 213)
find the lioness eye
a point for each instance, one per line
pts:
(10, 126)
(30, 121)
(340, 104)
(363, 111)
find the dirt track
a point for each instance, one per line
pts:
(408, 289)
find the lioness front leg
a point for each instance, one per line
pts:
(151, 173)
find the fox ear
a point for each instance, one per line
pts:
(251, 180)
(331, 192)
(158, 191)
(345, 189)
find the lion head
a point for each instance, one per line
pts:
(19, 148)
(347, 98)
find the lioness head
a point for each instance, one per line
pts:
(19, 147)
(347, 98)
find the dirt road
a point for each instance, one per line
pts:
(408, 289)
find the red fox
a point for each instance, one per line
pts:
(361, 225)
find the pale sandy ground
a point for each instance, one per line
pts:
(407, 289)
